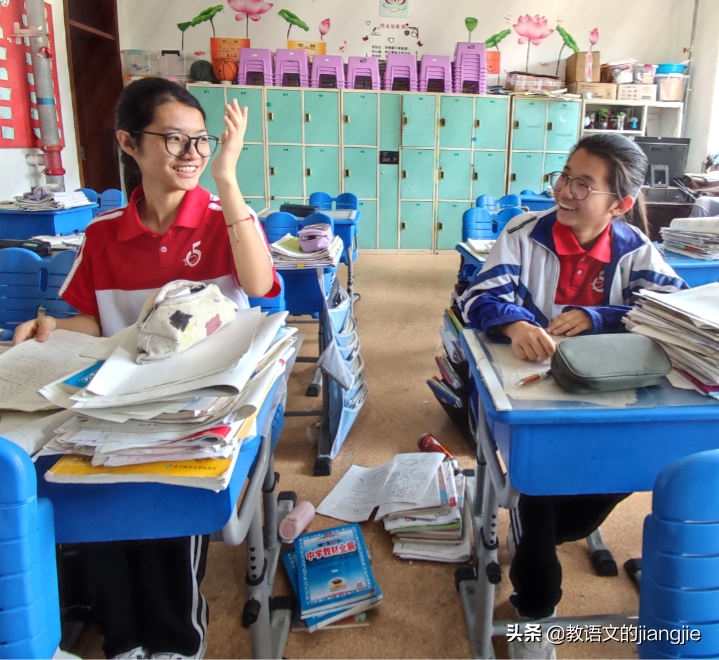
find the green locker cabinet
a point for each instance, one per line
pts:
(322, 117)
(490, 123)
(488, 178)
(455, 174)
(455, 122)
(276, 202)
(252, 99)
(529, 125)
(257, 204)
(212, 100)
(284, 116)
(416, 226)
(418, 120)
(367, 233)
(417, 173)
(388, 206)
(250, 170)
(285, 165)
(449, 224)
(322, 170)
(527, 169)
(552, 163)
(360, 172)
(359, 118)
(389, 121)
(562, 125)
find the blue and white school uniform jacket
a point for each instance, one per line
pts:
(518, 282)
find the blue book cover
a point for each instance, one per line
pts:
(333, 569)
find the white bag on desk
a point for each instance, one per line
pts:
(178, 316)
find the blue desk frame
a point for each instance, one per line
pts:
(564, 451)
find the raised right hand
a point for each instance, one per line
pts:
(39, 328)
(529, 342)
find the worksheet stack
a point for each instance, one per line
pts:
(45, 200)
(286, 253)
(171, 420)
(686, 324)
(693, 237)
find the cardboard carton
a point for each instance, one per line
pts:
(606, 91)
(575, 67)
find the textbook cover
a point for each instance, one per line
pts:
(332, 569)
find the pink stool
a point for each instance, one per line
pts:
(292, 66)
(401, 67)
(359, 70)
(470, 67)
(328, 66)
(436, 68)
(255, 63)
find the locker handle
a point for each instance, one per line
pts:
(549, 125)
(546, 178)
(309, 171)
(475, 176)
(513, 177)
(477, 123)
(347, 174)
(307, 117)
(516, 124)
(405, 120)
(347, 119)
(404, 174)
(403, 225)
(270, 116)
(443, 122)
(272, 171)
(439, 226)
(441, 174)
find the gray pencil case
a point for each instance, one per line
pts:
(603, 363)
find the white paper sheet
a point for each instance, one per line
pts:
(32, 431)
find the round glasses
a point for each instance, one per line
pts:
(178, 144)
(578, 189)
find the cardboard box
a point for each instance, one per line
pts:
(606, 91)
(575, 67)
(517, 81)
(636, 92)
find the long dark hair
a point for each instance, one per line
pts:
(627, 170)
(136, 111)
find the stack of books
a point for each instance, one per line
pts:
(332, 579)
(286, 254)
(686, 324)
(693, 237)
(46, 201)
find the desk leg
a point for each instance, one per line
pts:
(256, 614)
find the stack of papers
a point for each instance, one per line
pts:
(48, 202)
(331, 576)
(480, 246)
(286, 254)
(693, 237)
(686, 324)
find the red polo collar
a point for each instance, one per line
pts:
(565, 242)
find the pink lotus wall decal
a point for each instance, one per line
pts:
(531, 30)
(249, 9)
(593, 38)
(324, 28)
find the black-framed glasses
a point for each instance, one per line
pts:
(178, 144)
(579, 190)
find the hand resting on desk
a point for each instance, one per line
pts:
(41, 328)
(530, 342)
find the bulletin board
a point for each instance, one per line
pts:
(19, 121)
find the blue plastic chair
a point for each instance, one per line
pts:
(315, 219)
(505, 215)
(487, 202)
(279, 224)
(509, 201)
(478, 223)
(322, 201)
(111, 199)
(347, 201)
(90, 194)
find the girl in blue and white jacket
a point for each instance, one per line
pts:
(573, 269)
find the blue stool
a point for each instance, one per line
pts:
(478, 223)
(321, 200)
(487, 202)
(509, 201)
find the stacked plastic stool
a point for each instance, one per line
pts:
(437, 68)
(400, 68)
(255, 62)
(362, 73)
(328, 71)
(478, 223)
(292, 66)
(488, 202)
(679, 589)
(470, 67)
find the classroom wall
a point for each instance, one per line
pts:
(16, 176)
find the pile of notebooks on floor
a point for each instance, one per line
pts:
(686, 324)
(286, 253)
(693, 237)
(332, 579)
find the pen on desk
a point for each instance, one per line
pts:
(40, 312)
(535, 378)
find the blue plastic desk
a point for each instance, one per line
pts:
(26, 224)
(471, 262)
(694, 272)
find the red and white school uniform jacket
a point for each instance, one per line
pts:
(121, 261)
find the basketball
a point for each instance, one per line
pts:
(226, 69)
(201, 71)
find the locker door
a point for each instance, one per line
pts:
(389, 121)
(449, 224)
(455, 122)
(552, 163)
(284, 116)
(250, 170)
(367, 232)
(388, 210)
(529, 124)
(360, 172)
(359, 118)
(252, 98)
(286, 171)
(417, 173)
(455, 174)
(526, 173)
(257, 204)
(212, 101)
(416, 226)
(562, 125)
(490, 123)
(275, 203)
(490, 169)
(322, 170)
(418, 120)
(322, 117)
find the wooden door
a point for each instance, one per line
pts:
(96, 82)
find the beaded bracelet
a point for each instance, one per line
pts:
(234, 226)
